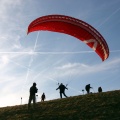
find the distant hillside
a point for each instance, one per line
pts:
(97, 106)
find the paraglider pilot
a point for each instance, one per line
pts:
(43, 97)
(33, 90)
(87, 88)
(62, 90)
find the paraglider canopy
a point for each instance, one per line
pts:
(74, 27)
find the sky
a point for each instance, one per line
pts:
(49, 58)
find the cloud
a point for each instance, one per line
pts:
(5, 59)
(71, 66)
(80, 69)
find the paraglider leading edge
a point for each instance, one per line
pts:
(74, 27)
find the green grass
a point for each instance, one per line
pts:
(97, 106)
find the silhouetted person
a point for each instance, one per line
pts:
(43, 97)
(87, 88)
(62, 90)
(99, 89)
(32, 96)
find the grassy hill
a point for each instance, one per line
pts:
(97, 106)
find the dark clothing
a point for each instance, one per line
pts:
(99, 89)
(32, 96)
(43, 97)
(87, 88)
(33, 90)
(62, 90)
(63, 94)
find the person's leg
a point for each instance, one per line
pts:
(29, 102)
(64, 94)
(34, 101)
(88, 91)
(60, 95)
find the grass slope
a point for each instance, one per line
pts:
(97, 106)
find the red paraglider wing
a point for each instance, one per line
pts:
(74, 27)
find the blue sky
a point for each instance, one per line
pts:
(49, 58)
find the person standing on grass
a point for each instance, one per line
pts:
(87, 88)
(43, 97)
(33, 91)
(99, 89)
(62, 90)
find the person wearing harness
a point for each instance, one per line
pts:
(62, 90)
